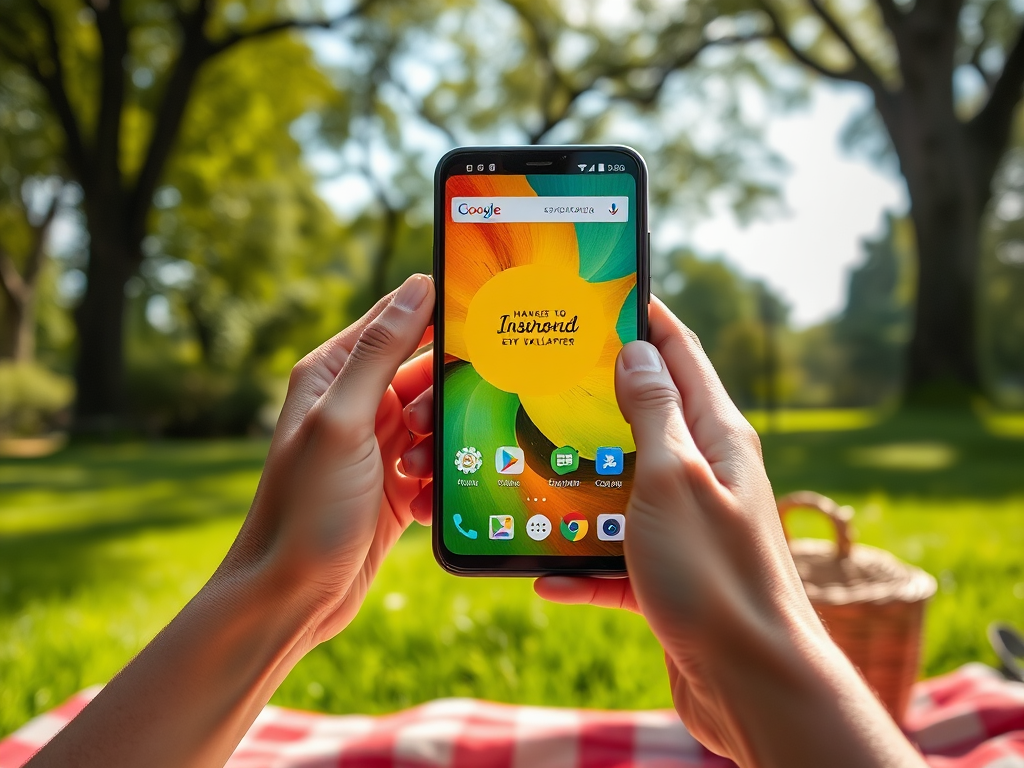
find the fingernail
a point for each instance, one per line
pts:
(412, 293)
(640, 356)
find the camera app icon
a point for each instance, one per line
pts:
(611, 527)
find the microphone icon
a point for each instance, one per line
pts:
(614, 209)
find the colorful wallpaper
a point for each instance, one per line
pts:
(535, 315)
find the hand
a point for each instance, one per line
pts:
(344, 476)
(710, 569)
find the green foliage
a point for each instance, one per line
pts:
(101, 545)
(741, 325)
(195, 401)
(857, 358)
(33, 400)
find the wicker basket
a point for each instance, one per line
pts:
(871, 602)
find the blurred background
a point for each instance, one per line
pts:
(195, 193)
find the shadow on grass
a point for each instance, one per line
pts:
(912, 453)
(43, 566)
(63, 515)
(85, 466)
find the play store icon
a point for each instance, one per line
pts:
(508, 460)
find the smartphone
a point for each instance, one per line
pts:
(541, 265)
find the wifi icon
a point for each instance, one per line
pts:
(581, 166)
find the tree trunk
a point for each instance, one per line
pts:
(99, 370)
(9, 329)
(942, 364)
(946, 203)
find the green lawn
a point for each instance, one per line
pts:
(101, 544)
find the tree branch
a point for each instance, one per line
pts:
(10, 280)
(56, 90)
(421, 109)
(196, 50)
(989, 130)
(687, 57)
(997, 114)
(891, 15)
(234, 38)
(861, 72)
(37, 254)
(113, 35)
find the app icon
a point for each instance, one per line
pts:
(469, 168)
(574, 526)
(509, 460)
(608, 461)
(469, 460)
(611, 527)
(502, 527)
(468, 533)
(538, 527)
(491, 167)
(565, 460)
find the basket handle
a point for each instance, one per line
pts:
(840, 516)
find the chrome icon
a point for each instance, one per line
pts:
(574, 526)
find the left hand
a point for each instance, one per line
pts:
(347, 471)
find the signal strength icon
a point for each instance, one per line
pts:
(581, 166)
(590, 169)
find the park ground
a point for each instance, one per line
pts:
(101, 544)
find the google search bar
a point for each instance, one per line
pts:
(518, 210)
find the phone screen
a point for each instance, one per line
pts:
(540, 290)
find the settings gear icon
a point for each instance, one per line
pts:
(469, 460)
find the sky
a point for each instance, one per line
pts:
(833, 200)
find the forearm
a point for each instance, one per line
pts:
(192, 693)
(802, 703)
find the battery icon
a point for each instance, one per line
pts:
(600, 167)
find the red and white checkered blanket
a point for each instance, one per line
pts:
(970, 718)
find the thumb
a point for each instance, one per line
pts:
(382, 346)
(650, 401)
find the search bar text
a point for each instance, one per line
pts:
(517, 210)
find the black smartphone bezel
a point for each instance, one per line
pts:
(520, 161)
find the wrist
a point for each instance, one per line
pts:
(793, 698)
(264, 595)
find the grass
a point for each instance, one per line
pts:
(102, 544)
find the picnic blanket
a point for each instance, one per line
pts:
(970, 718)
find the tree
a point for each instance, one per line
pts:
(20, 285)
(913, 57)
(30, 197)
(119, 80)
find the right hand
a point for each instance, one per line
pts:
(707, 559)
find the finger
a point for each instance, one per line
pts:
(587, 590)
(418, 461)
(419, 414)
(380, 350)
(414, 376)
(422, 507)
(650, 402)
